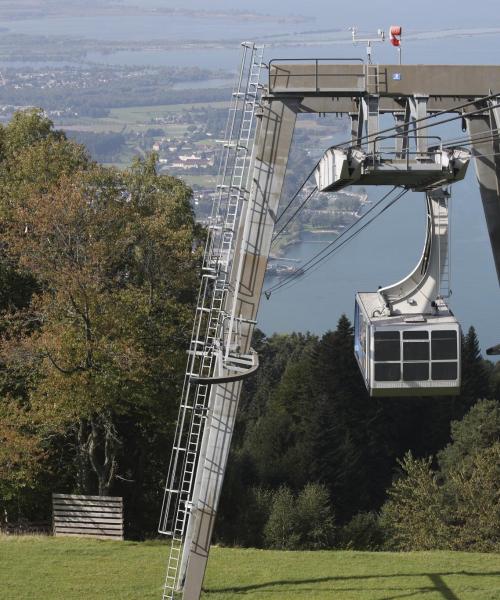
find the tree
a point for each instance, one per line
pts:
(114, 257)
(414, 516)
(22, 455)
(475, 492)
(478, 430)
(363, 532)
(315, 517)
(457, 507)
(302, 521)
(281, 528)
(475, 376)
(275, 419)
(347, 434)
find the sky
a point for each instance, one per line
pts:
(372, 14)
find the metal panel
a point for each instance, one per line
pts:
(441, 81)
(488, 173)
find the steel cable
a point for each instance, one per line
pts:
(317, 258)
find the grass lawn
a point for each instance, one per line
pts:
(139, 114)
(204, 181)
(59, 569)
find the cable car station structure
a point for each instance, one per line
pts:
(407, 339)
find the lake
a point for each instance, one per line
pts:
(385, 252)
(390, 247)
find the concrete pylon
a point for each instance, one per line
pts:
(273, 141)
(484, 128)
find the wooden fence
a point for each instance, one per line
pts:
(91, 516)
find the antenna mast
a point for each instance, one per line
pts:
(369, 41)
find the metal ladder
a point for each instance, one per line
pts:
(444, 290)
(372, 78)
(207, 333)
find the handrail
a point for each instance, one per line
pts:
(316, 62)
(222, 379)
(402, 135)
(407, 152)
(312, 60)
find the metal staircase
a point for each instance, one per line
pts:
(208, 329)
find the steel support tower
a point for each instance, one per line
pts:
(240, 240)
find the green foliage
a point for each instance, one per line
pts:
(281, 528)
(475, 380)
(306, 417)
(363, 532)
(457, 507)
(414, 516)
(478, 430)
(315, 518)
(103, 272)
(21, 455)
(495, 381)
(27, 128)
(474, 491)
(304, 521)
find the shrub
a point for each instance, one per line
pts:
(474, 490)
(479, 429)
(314, 517)
(304, 522)
(457, 507)
(281, 528)
(414, 516)
(363, 532)
(255, 516)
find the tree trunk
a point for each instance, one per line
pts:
(103, 448)
(84, 469)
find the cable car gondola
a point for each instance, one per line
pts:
(407, 340)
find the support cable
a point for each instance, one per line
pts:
(300, 207)
(481, 137)
(332, 246)
(296, 194)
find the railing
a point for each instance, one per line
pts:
(377, 152)
(277, 74)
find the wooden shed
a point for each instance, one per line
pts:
(89, 516)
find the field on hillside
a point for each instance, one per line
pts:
(58, 569)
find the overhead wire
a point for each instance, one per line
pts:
(318, 256)
(313, 268)
(488, 135)
(300, 207)
(295, 195)
(333, 247)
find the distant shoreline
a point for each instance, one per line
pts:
(12, 12)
